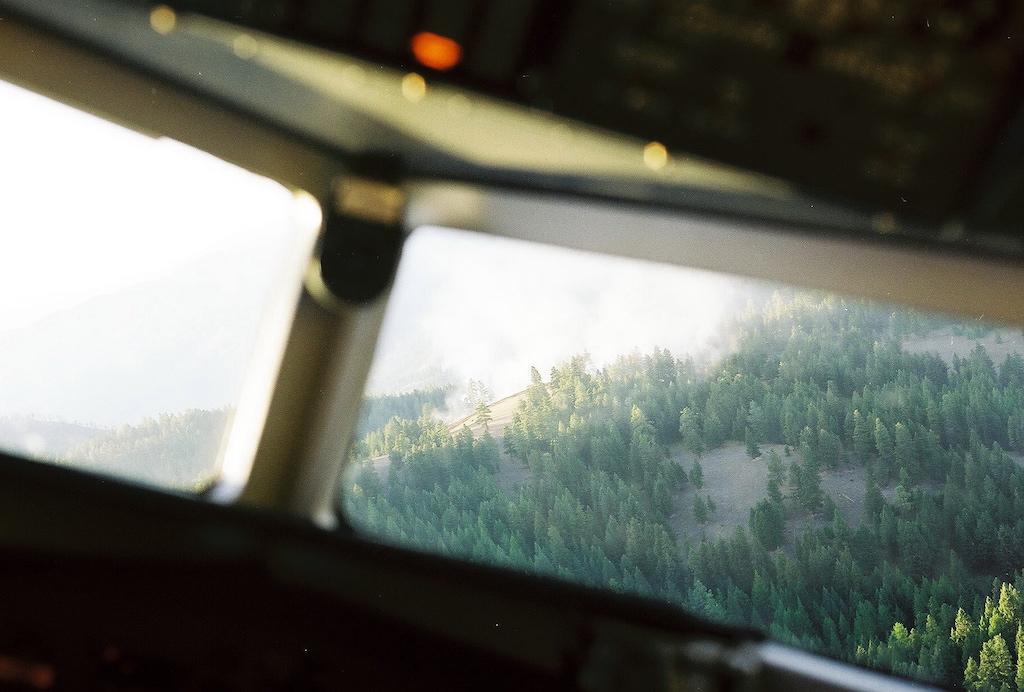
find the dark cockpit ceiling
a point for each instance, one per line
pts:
(900, 119)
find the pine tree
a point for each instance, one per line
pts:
(767, 523)
(873, 499)
(700, 510)
(971, 674)
(829, 447)
(1019, 678)
(689, 430)
(482, 415)
(806, 480)
(753, 451)
(809, 448)
(714, 431)
(661, 498)
(1015, 431)
(697, 475)
(863, 442)
(1009, 602)
(472, 394)
(905, 451)
(995, 668)
(886, 450)
(776, 477)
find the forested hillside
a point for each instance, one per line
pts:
(927, 580)
(377, 411)
(47, 439)
(173, 450)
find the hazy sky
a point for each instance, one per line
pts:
(467, 305)
(90, 207)
(134, 270)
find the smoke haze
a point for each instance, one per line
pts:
(467, 305)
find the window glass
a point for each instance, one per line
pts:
(844, 475)
(135, 273)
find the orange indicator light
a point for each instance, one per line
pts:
(435, 51)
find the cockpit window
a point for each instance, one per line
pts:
(135, 272)
(843, 475)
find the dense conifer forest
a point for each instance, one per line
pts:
(606, 476)
(172, 450)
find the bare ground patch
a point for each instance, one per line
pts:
(998, 343)
(511, 473)
(736, 483)
(502, 412)
(845, 485)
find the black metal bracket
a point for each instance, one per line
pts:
(363, 232)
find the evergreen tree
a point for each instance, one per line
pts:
(1019, 641)
(689, 431)
(995, 668)
(697, 475)
(700, 509)
(873, 500)
(971, 675)
(806, 481)
(886, 450)
(753, 451)
(829, 448)
(863, 438)
(482, 415)
(776, 477)
(767, 523)
(905, 451)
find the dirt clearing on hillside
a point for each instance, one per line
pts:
(502, 412)
(736, 483)
(998, 343)
(511, 472)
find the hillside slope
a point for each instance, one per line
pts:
(179, 342)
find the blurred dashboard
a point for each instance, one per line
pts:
(907, 107)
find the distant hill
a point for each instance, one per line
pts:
(178, 342)
(376, 411)
(42, 438)
(173, 450)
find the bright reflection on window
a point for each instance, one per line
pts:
(136, 272)
(846, 476)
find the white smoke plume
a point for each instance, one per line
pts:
(467, 305)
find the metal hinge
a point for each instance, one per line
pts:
(362, 237)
